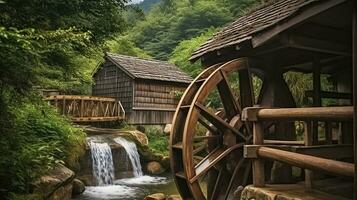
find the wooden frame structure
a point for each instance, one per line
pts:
(87, 108)
(282, 36)
(259, 152)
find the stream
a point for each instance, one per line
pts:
(135, 188)
(131, 188)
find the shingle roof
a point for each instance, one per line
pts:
(245, 27)
(149, 69)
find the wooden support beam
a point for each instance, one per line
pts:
(354, 66)
(316, 97)
(341, 113)
(318, 45)
(333, 151)
(258, 164)
(308, 162)
(330, 95)
(308, 139)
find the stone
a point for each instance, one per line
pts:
(156, 196)
(165, 161)
(167, 129)
(174, 197)
(155, 168)
(78, 187)
(56, 185)
(140, 137)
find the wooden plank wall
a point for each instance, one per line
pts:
(154, 102)
(150, 117)
(150, 94)
(110, 81)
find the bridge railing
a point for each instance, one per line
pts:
(87, 108)
(309, 155)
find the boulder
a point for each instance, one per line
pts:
(155, 168)
(174, 197)
(165, 162)
(78, 187)
(156, 196)
(56, 185)
(167, 129)
(140, 137)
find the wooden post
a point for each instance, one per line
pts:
(316, 97)
(64, 106)
(308, 139)
(82, 108)
(258, 164)
(354, 57)
(328, 133)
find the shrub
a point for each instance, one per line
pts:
(37, 139)
(158, 141)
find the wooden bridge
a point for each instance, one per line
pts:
(87, 108)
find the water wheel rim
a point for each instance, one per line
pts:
(192, 189)
(177, 167)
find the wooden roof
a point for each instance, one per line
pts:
(254, 23)
(149, 69)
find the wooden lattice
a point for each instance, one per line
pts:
(87, 108)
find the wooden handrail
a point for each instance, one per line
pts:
(307, 161)
(78, 97)
(341, 113)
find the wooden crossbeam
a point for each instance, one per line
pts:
(330, 95)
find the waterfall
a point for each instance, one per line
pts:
(102, 163)
(133, 155)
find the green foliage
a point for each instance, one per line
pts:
(122, 45)
(37, 139)
(148, 4)
(30, 57)
(170, 22)
(101, 17)
(240, 7)
(182, 52)
(158, 141)
(298, 84)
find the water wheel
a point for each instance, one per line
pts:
(211, 165)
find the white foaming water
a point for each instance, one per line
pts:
(133, 155)
(111, 192)
(142, 180)
(102, 163)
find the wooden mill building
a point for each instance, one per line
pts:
(146, 88)
(314, 37)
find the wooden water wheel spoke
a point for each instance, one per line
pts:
(210, 128)
(221, 182)
(234, 177)
(211, 159)
(217, 121)
(247, 171)
(226, 134)
(229, 101)
(199, 149)
(207, 137)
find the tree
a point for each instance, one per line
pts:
(181, 54)
(101, 17)
(162, 31)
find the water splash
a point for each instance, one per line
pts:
(133, 155)
(102, 163)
